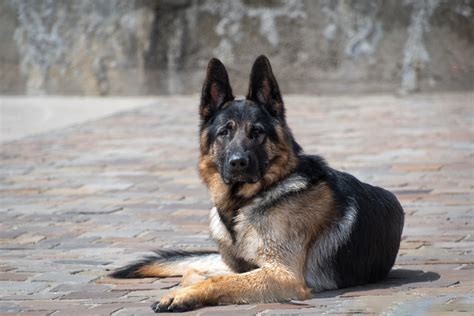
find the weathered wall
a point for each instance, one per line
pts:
(76, 47)
(153, 47)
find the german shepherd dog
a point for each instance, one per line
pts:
(286, 224)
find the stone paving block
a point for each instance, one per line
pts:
(131, 311)
(114, 233)
(94, 263)
(232, 310)
(11, 234)
(93, 295)
(22, 287)
(31, 296)
(153, 295)
(9, 309)
(74, 287)
(63, 277)
(23, 313)
(28, 238)
(106, 309)
(14, 276)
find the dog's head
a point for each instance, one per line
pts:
(245, 141)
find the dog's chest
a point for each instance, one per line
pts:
(244, 242)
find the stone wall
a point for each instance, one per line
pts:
(131, 47)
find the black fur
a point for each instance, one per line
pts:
(216, 90)
(371, 250)
(131, 270)
(264, 90)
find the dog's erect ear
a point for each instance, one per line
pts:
(216, 89)
(264, 89)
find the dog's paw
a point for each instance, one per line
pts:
(162, 305)
(176, 301)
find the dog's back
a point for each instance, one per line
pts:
(362, 245)
(372, 249)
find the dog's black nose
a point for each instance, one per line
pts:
(239, 161)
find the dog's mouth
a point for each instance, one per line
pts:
(240, 179)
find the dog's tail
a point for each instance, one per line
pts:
(168, 263)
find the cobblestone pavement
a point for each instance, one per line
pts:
(80, 201)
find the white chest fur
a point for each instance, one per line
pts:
(218, 230)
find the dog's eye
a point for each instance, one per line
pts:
(223, 132)
(256, 132)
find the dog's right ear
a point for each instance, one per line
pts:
(216, 89)
(263, 88)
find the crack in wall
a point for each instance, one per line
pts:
(415, 54)
(362, 32)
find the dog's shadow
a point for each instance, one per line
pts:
(396, 278)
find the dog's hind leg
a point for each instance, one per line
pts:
(168, 263)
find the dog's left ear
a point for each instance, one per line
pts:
(216, 89)
(263, 88)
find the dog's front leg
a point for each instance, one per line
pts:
(269, 284)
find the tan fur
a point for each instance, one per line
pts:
(306, 216)
(270, 284)
(293, 223)
(218, 189)
(203, 142)
(157, 270)
(193, 276)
